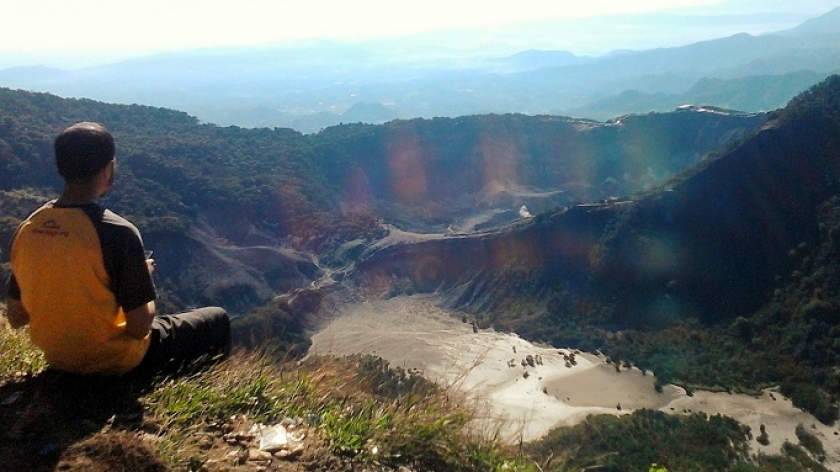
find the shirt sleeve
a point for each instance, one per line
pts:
(134, 286)
(125, 262)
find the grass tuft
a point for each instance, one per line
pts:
(358, 409)
(355, 411)
(26, 360)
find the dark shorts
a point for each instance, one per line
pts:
(186, 340)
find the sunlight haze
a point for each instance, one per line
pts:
(57, 33)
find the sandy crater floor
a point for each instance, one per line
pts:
(413, 332)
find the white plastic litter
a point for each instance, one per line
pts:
(274, 438)
(278, 438)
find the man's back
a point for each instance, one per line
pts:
(71, 266)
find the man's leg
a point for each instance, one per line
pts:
(182, 339)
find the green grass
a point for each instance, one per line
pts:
(214, 398)
(355, 410)
(20, 358)
(334, 400)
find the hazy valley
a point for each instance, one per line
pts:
(311, 86)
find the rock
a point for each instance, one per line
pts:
(289, 453)
(237, 457)
(255, 455)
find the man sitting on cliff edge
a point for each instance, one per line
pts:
(81, 281)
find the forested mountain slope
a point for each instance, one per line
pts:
(237, 216)
(436, 169)
(714, 238)
(194, 190)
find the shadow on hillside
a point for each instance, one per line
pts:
(43, 415)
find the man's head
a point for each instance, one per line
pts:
(82, 151)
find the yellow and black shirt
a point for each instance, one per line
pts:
(77, 270)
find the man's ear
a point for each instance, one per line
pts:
(107, 175)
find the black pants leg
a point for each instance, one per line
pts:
(185, 339)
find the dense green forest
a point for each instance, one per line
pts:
(171, 166)
(648, 439)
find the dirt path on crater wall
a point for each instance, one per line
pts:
(413, 332)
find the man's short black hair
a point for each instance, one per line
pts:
(82, 150)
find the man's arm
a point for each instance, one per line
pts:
(16, 313)
(138, 322)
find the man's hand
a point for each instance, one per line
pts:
(138, 322)
(150, 263)
(15, 312)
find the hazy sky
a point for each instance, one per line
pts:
(71, 33)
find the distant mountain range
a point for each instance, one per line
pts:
(313, 87)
